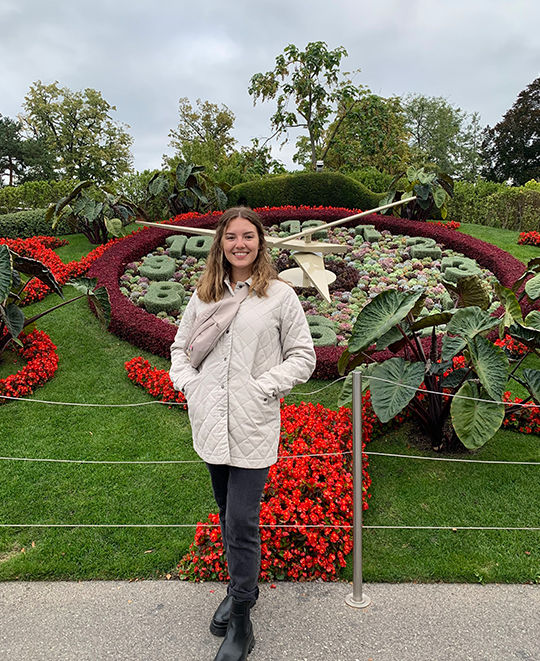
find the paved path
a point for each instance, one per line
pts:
(166, 621)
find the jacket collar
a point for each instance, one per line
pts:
(228, 284)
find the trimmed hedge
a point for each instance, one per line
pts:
(26, 224)
(143, 330)
(34, 194)
(304, 189)
(496, 205)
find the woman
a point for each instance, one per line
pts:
(233, 400)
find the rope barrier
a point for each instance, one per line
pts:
(103, 406)
(293, 394)
(280, 458)
(44, 401)
(179, 461)
(467, 461)
(265, 525)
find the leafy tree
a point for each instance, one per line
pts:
(372, 134)
(203, 135)
(469, 164)
(511, 149)
(78, 129)
(312, 82)
(21, 159)
(442, 135)
(258, 159)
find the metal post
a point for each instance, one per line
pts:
(357, 599)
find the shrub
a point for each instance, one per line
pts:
(496, 205)
(26, 224)
(309, 189)
(372, 179)
(33, 194)
(515, 208)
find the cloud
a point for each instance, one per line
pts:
(144, 56)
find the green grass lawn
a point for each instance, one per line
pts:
(404, 492)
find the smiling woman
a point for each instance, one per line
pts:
(257, 348)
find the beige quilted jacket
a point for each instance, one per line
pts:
(233, 397)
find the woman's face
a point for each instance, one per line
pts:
(241, 245)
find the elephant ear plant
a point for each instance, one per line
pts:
(16, 273)
(431, 190)
(392, 321)
(95, 211)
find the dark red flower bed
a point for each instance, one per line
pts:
(146, 331)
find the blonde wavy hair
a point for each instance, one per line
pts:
(211, 286)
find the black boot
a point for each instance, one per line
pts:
(239, 639)
(219, 623)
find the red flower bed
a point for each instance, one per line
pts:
(529, 238)
(526, 420)
(41, 248)
(156, 382)
(300, 492)
(450, 225)
(42, 363)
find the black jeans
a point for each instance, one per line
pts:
(238, 493)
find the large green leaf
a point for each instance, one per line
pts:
(158, 184)
(30, 266)
(100, 299)
(5, 272)
(475, 422)
(532, 382)
(439, 195)
(525, 334)
(388, 399)
(183, 171)
(512, 309)
(532, 287)
(55, 209)
(452, 346)
(490, 364)
(385, 311)
(14, 319)
(345, 396)
(532, 320)
(437, 319)
(392, 336)
(468, 322)
(469, 291)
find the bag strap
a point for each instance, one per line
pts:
(210, 325)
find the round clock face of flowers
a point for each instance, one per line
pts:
(163, 281)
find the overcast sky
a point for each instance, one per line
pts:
(143, 56)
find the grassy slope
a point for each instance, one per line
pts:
(91, 370)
